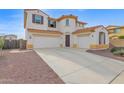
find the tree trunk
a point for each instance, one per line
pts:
(0, 51)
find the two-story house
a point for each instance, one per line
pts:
(115, 31)
(10, 37)
(43, 31)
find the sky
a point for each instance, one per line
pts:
(11, 21)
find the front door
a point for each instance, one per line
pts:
(67, 40)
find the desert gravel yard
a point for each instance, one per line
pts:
(25, 67)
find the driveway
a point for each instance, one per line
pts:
(79, 66)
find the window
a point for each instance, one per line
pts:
(78, 24)
(37, 19)
(51, 23)
(117, 30)
(67, 22)
(81, 25)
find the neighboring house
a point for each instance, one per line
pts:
(10, 37)
(42, 31)
(115, 31)
(1, 37)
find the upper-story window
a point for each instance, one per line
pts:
(67, 22)
(80, 25)
(37, 19)
(51, 23)
(117, 30)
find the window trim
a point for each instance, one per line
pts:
(115, 30)
(53, 23)
(33, 19)
(67, 23)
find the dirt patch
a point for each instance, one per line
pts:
(106, 53)
(26, 67)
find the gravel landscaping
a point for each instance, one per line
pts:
(106, 53)
(25, 67)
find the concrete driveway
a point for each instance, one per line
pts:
(77, 66)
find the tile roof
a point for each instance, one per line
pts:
(88, 29)
(35, 10)
(112, 27)
(44, 31)
(81, 22)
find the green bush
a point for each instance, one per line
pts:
(121, 37)
(114, 49)
(118, 51)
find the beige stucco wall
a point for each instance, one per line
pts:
(34, 25)
(93, 38)
(117, 42)
(121, 33)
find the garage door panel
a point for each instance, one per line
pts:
(46, 42)
(83, 42)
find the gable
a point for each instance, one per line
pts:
(29, 12)
(87, 30)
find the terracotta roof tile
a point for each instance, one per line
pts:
(88, 29)
(111, 27)
(81, 22)
(44, 31)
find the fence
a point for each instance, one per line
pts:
(15, 44)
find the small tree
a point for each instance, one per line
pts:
(1, 45)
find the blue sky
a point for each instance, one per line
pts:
(11, 21)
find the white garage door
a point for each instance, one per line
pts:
(83, 42)
(46, 42)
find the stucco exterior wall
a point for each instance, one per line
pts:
(111, 33)
(117, 42)
(75, 41)
(28, 37)
(35, 25)
(96, 35)
(63, 28)
(85, 40)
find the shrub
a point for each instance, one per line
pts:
(118, 51)
(113, 49)
(1, 43)
(121, 37)
(1, 46)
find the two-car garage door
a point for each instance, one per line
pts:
(45, 42)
